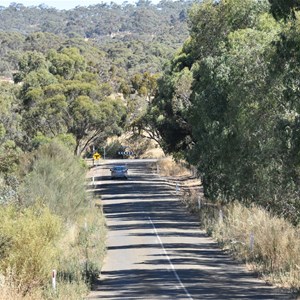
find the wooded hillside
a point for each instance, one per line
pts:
(134, 37)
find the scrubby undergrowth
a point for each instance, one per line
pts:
(53, 225)
(268, 244)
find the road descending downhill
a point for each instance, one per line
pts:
(156, 250)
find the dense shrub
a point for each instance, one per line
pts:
(28, 238)
(58, 179)
(51, 224)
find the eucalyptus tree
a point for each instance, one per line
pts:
(236, 115)
(284, 8)
(61, 94)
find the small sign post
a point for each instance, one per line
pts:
(96, 157)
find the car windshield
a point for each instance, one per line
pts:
(119, 168)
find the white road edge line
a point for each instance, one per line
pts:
(170, 262)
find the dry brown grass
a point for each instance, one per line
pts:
(64, 291)
(269, 245)
(153, 153)
(9, 293)
(168, 167)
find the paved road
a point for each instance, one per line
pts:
(156, 249)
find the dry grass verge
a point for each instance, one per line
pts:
(268, 244)
(8, 292)
(169, 167)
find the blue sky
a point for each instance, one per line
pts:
(60, 4)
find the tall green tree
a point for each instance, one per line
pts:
(61, 95)
(284, 8)
(241, 108)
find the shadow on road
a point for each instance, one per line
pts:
(151, 232)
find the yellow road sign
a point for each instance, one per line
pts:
(96, 156)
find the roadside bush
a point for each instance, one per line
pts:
(55, 227)
(64, 291)
(10, 292)
(91, 241)
(77, 253)
(57, 177)
(28, 252)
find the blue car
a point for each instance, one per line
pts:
(119, 172)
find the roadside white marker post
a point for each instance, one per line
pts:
(93, 181)
(199, 202)
(157, 168)
(54, 280)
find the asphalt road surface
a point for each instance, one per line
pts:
(155, 249)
